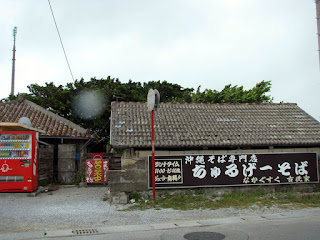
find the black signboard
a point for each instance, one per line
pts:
(211, 170)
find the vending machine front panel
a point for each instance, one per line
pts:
(18, 161)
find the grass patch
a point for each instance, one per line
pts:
(235, 199)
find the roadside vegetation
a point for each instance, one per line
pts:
(282, 199)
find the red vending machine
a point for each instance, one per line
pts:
(19, 161)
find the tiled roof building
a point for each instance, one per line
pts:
(52, 124)
(191, 125)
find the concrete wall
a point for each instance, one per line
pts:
(133, 175)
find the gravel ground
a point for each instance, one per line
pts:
(70, 208)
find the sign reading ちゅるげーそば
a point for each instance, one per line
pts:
(96, 169)
(209, 170)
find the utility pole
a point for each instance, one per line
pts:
(318, 25)
(13, 59)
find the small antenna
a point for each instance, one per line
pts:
(116, 97)
(13, 59)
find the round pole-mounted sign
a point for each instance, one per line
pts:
(153, 99)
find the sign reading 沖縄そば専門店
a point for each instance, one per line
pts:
(204, 170)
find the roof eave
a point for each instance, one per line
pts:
(279, 145)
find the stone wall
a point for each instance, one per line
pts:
(46, 163)
(66, 163)
(57, 160)
(133, 175)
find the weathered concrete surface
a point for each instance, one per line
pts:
(66, 163)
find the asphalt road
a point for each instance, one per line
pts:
(302, 224)
(248, 227)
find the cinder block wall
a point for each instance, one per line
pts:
(133, 175)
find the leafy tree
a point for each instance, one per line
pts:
(66, 101)
(54, 98)
(235, 94)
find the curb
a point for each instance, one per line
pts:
(87, 231)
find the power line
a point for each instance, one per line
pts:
(60, 39)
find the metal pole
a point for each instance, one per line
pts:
(13, 60)
(318, 26)
(153, 161)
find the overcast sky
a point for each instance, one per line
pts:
(210, 43)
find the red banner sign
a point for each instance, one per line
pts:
(96, 169)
